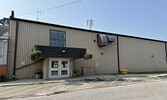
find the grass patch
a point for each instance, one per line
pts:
(156, 72)
(7, 80)
(116, 74)
(36, 83)
(40, 83)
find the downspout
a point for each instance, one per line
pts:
(118, 54)
(15, 52)
(165, 52)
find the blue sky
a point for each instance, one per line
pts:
(142, 18)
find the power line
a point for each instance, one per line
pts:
(34, 12)
(62, 5)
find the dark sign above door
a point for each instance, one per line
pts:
(52, 51)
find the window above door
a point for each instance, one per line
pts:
(57, 38)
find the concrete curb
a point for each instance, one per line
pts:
(41, 82)
(28, 83)
(55, 81)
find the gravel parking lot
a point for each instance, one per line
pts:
(41, 89)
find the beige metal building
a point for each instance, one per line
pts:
(63, 48)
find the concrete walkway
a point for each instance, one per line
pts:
(42, 81)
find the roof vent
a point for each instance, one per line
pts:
(12, 14)
(102, 40)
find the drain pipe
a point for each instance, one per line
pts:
(166, 51)
(15, 53)
(118, 54)
(16, 40)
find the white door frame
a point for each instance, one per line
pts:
(59, 69)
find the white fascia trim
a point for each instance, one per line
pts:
(4, 38)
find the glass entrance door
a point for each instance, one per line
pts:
(64, 68)
(59, 68)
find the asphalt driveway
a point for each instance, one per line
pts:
(67, 85)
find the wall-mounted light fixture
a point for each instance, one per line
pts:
(63, 51)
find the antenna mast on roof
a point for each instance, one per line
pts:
(90, 23)
(38, 13)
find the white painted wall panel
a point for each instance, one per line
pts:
(3, 52)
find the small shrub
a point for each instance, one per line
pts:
(74, 75)
(2, 78)
(34, 54)
(88, 56)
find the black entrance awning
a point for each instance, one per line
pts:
(52, 51)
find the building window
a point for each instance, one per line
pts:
(57, 38)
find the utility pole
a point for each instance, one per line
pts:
(38, 13)
(90, 23)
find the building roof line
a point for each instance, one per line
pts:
(81, 29)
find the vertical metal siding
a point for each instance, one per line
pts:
(10, 55)
(30, 34)
(107, 62)
(136, 55)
